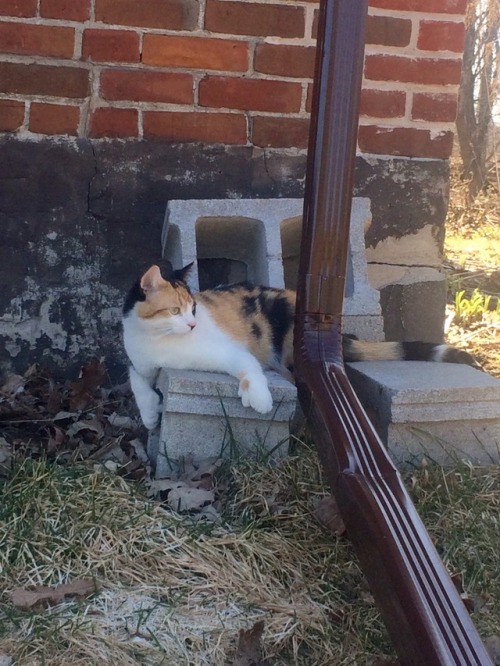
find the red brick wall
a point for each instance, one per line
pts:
(222, 71)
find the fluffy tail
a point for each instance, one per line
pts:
(358, 350)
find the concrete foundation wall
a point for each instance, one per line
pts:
(81, 218)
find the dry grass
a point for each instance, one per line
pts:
(174, 591)
(472, 250)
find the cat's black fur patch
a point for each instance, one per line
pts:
(237, 286)
(279, 314)
(135, 295)
(417, 351)
(424, 351)
(249, 306)
(256, 331)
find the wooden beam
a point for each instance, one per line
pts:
(424, 614)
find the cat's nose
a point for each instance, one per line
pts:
(192, 325)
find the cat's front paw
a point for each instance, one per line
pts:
(150, 414)
(150, 420)
(254, 392)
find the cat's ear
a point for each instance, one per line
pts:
(152, 279)
(182, 273)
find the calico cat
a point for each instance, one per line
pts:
(237, 329)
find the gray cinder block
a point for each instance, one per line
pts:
(202, 412)
(443, 411)
(264, 236)
(203, 416)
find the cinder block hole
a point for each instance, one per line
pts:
(291, 236)
(230, 249)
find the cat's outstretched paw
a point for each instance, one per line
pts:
(150, 412)
(254, 392)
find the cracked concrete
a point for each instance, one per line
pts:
(81, 218)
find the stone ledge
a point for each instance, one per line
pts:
(203, 416)
(444, 411)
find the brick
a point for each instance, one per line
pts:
(195, 52)
(20, 8)
(427, 6)
(297, 61)
(54, 119)
(246, 18)
(110, 45)
(388, 31)
(206, 127)
(147, 86)
(441, 36)
(405, 141)
(413, 70)
(309, 98)
(270, 132)
(68, 10)
(114, 123)
(166, 14)
(43, 40)
(382, 103)
(250, 94)
(11, 115)
(32, 79)
(434, 107)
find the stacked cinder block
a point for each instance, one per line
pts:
(261, 238)
(256, 240)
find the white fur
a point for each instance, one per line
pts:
(155, 343)
(439, 353)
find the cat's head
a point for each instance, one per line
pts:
(164, 305)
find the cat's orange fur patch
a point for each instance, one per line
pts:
(244, 384)
(159, 302)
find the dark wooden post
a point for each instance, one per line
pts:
(423, 612)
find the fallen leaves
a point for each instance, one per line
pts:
(492, 644)
(328, 514)
(249, 650)
(27, 599)
(189, 488)
(70, 421)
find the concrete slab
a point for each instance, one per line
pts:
(443, 411)
(203, 416)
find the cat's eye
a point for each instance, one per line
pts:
(175, 311)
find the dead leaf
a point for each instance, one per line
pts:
(5, 450)
(56, 440)
(328, 514)
(184, 498)
(249, 650)
(91, 424)
(83, 390)
(26, 599)
(124, 422)
(63, 415)
(492, 644)
(139, 450)
(13, 385)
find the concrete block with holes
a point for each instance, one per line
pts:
(231, 241)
